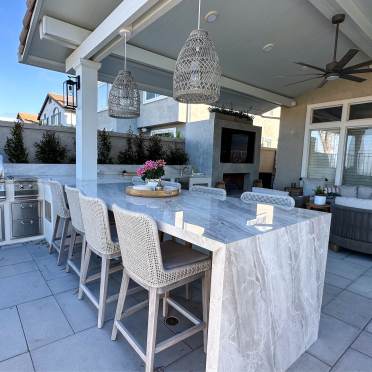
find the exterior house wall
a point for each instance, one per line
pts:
(158, 112)
(68, 118)
(32, 133)
(115, 125)
(270, 123)
(292, 125)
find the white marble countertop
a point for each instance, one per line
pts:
(202, 219)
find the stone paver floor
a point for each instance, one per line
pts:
(44, 327)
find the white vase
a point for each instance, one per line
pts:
(320, 199)
(152, 182)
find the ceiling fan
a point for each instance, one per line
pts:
(337, 69)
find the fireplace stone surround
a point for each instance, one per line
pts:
(203, 145)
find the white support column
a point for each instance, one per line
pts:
(87, 121)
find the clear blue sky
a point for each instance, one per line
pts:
(22, 87)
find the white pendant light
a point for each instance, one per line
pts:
(124, 97)
(197, 75)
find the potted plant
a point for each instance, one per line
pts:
(320, 196)
(151, 172)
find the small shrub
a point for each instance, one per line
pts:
(176, 156)
(128, 156)
(140, 152)
(14, 146)
(155, 148)
(50, 150)
(104, 147)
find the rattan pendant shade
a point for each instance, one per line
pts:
(197, 75)
(124, 97)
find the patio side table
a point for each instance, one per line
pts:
(321, 208)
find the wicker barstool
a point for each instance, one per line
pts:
(62, 221)
(212, 191)
(99, 241)
(159, 268)
(173, 184)
(77, 228)
(278, 200)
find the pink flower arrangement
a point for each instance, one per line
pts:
(151, 169)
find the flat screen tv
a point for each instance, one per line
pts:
(237, 146)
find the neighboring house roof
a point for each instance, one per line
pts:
(26, 117)
(56, 98)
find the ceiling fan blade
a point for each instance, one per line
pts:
(356, 71)
(353, 78)
(346, 59)
(310, 66)
(363, 64)
(323, 82)
(302, 81)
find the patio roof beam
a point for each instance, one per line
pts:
(160, 62)
(62, 33)
(133, 14)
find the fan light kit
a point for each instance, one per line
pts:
(197, 75)
(124, 97)
(337, 69)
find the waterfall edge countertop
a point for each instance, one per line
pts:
(267, 273)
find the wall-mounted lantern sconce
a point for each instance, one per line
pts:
(70, 88)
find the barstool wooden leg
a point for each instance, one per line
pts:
(63, 241)
(84, 271)
(188, 292)
(188, 287)
(83, 250)
(71, 248)
(151, 329)
(55, 231)
(206, 280)
(120, 305)
(165, 304)
(103, 291)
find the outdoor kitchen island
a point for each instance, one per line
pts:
(267, 275)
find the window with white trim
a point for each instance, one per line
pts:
(164, 132)
(151, 97)
(55, 119)
(103, 91)
(323, 148)
(338, 142)
(358, 157)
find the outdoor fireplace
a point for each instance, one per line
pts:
(234, 182)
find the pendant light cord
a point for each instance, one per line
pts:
(125, 51)
(199, 16)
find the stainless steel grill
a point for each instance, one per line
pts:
(24, 187)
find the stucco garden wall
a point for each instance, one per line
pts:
(32, 133)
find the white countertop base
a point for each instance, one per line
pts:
(266, 298)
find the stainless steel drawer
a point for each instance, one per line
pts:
(26, 210)
(26, 227)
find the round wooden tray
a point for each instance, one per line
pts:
(166, 193)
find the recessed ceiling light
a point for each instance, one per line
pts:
(211, 16)
(268, 47)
